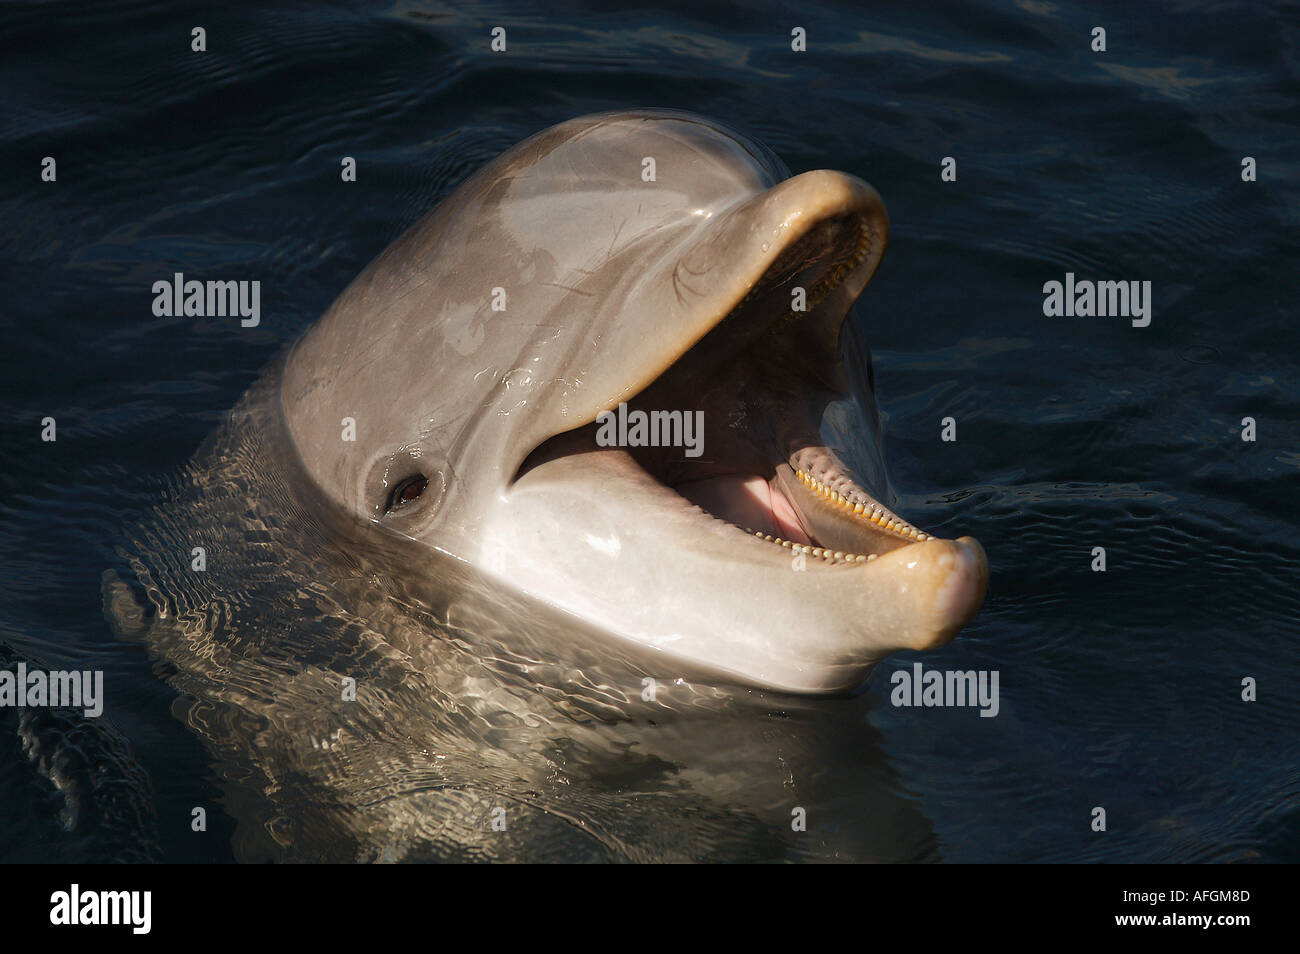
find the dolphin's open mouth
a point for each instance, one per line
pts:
(716, 293)
(759, 384)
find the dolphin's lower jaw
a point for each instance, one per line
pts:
(597, 536)
(763, 558)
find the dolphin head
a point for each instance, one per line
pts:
(609, 370)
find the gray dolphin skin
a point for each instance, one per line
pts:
(656, 259)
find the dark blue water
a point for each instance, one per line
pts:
(1120, 689)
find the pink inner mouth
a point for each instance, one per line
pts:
(748, 502)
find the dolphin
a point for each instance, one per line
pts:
(457, 392)
(436, 600)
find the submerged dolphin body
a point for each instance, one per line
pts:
(452, 392)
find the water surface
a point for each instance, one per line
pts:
(1118, 689)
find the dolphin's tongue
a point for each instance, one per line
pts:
(802, 510)
(750, 502)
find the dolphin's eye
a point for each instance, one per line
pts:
(406, 490)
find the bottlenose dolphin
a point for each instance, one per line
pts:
(477, 632)
(453, 395)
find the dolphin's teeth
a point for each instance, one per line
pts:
(831, 279)
(869, 510)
